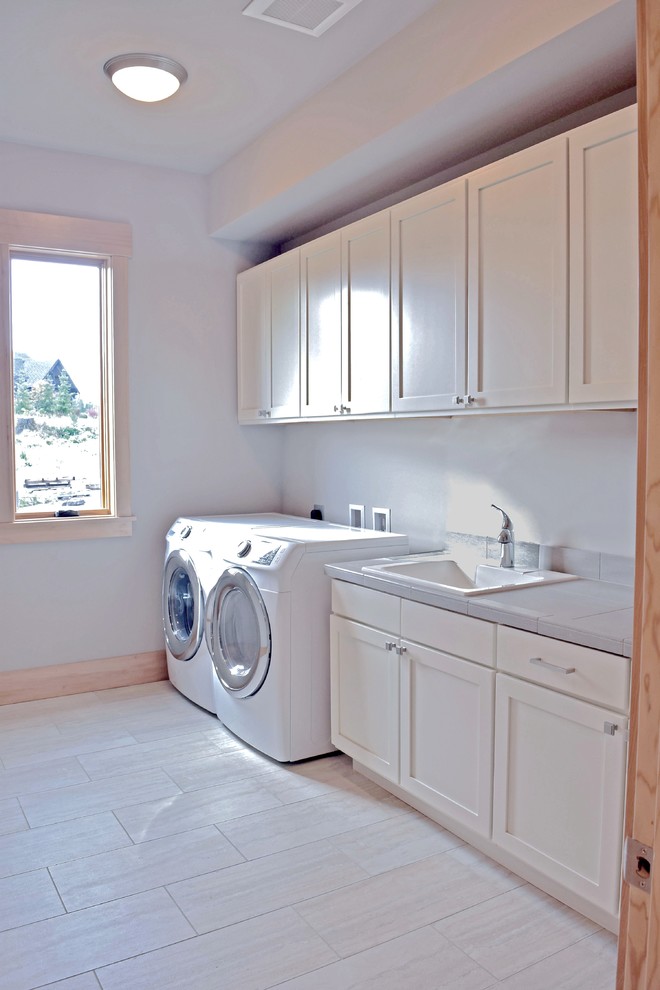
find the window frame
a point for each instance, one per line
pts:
(110, 241)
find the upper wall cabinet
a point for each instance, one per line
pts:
(517, 276)
(604, 259)
(512, 287)
(269, 340)
(428, 299)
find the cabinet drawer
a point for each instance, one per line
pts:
(596, 676)
(372, 608)
(449, 632)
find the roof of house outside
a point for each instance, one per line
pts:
(31, 372)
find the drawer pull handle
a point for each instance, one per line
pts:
(540, 662)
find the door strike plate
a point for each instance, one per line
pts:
(637, 865)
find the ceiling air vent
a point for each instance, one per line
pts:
(309, 16)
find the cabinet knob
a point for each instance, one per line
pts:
(345, 409)
(336, 408)
(390, 646)
(457, 400)
(468, 400)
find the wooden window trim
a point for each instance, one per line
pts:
(39, 231)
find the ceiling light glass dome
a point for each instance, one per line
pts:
(148, 78)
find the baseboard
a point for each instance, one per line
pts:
(61, 679)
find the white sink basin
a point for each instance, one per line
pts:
(436, 571)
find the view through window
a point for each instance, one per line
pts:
(57, 332)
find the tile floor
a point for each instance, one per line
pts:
(142, 847)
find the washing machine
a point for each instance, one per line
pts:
(195, 548)
(268, 632)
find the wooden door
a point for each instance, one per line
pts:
(517, 278)
(365, 249)
(639, 933)
(604, 268)
(428, 299)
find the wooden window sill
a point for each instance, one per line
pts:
(65, 528)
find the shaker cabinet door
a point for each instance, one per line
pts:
(517, 273)
(559, 788)
(428, 299)
(604, 308)
(320, 265)
(447, 710)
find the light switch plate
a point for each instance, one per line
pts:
(356, 516)
(381, 520)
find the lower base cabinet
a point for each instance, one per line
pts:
(530, 773)
(558, 787)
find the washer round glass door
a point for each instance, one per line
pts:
(183, 606)
(238, 633)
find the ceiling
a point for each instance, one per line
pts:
(244, 74)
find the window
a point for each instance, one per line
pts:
(63, 360)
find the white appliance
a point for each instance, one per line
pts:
(268, 632)
(195, 548)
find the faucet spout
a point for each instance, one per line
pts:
(505, 539)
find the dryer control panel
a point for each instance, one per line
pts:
(258, 552)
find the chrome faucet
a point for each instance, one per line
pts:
(505, 539)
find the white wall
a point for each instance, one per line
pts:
(71, 601)
(566, 478)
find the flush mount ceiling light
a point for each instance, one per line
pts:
(148, 78)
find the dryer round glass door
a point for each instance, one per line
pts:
(183, 606)
(238, 633)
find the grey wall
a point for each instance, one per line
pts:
(566, 478)
(80, 600)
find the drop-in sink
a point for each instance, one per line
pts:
(439, 572)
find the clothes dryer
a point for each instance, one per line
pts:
(195, 548)
(268, 632)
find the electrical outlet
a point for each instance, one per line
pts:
(356, 516)
(381, 520)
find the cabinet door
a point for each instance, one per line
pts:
(447, 734)
(284, 298)
(517, 277)
(365, 695)
(604, 308)
(559, 788)
(366, 315)
(253, 350)
(428, 299)
(321, 326)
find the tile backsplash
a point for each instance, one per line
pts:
(588, 564)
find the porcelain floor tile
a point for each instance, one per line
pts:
(27, 898)
(12, 818)
(87, 981)
(233, 764)
(391, 904)
(588, 965)
(76, 943)
(34, 753)
(194, 809)
(306, 821)
(133, 869)
(258, 887)
(515, 930)
(60, 843)
(332, 774)
(98, 795)
(148, 755)
(417, 961)
(395, 842)
(253, 955)
(45, 777)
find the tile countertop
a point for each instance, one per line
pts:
(597, 614)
